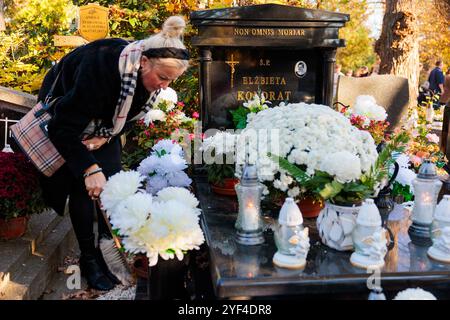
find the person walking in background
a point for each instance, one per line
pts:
(364, 71)
(436, 78)
(349, 73)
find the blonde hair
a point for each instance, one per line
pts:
(171, 35)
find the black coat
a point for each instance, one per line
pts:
(89, 87)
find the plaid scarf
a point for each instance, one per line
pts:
(129, 64)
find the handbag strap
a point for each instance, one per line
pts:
(50, 93)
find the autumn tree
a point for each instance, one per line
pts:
(434, 33)
(26, 47)
(398, 45)
(359, 50)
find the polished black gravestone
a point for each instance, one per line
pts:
(288, 53)
(239, 271)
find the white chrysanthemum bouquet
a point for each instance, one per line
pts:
(164, 167)
(309, 149)
(165, 225)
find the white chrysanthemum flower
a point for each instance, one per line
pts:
(119, 187)
(367, 106)
(154, 115)
(414, 294)
(156, 183)
(149, 165)
(132, 245)
(169, 96)
(178, 179)
(180, 194)
(169, 146)
(305, 134)
(222, 142)
(294, 192)
(171, 163)
(132, 213)
(344, 165)
(173, 225)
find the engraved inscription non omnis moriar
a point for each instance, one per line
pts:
(264, 32)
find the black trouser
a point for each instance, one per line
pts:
(82, 208)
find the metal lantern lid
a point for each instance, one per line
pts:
(249, 176)
(427, 170)
(442, 212)
(369, 215)
(290, 214)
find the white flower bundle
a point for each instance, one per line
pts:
(312, 135)
(367, 106)
(165, 225)
(222, 143)
(164, 167)
(414, 294)
(164, 102)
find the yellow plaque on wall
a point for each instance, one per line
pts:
(93, 22)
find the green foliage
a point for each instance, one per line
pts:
(240, 117)
(400, 190)
(358, 50)
(26, 48)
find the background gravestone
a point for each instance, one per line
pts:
(286, 52)
(391, 92)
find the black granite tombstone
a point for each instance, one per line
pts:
(286, 52)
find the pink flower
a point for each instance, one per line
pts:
(432, 137)
(416, 161)
(195, 115)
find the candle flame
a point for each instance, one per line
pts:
(427, 198)
(250, 205)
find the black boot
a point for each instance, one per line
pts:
(105, 268)
(91, 270)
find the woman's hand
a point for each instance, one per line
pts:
(95, 182)
(94, 143)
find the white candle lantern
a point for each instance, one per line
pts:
(426, 190)
(369, 238)
(291, 238)
(249, 224)
(440, 232)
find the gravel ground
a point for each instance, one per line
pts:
(119, 293)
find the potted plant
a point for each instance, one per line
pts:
(344, 198)
(20, 194)
(166, 120)
(310, 136)
(219, 156)
(325, 155)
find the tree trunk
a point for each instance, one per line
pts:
(398, 45)
(2, 16)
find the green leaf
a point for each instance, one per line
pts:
(297, 173)
(240, 117)
(331, 190)
(114, 25)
